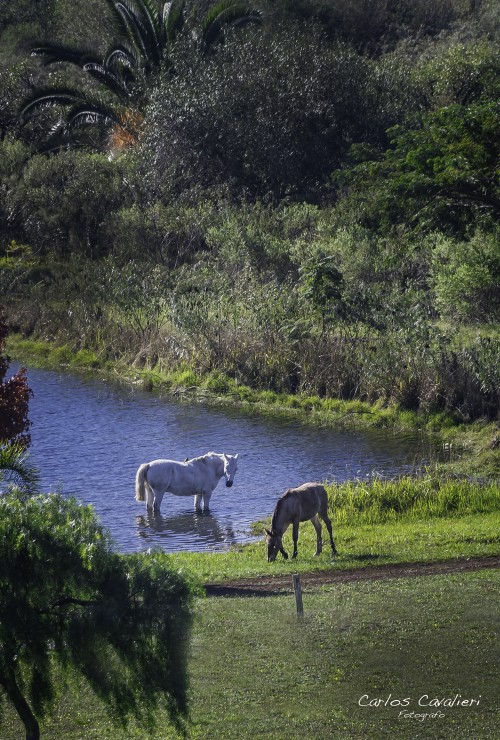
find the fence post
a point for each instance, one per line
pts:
(298, 595)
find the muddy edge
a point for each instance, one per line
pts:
(270, 585)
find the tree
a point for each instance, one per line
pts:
(224, 116)
(145, 32)
(323, 287)
(14, 397)
(442, 174)
(466, 277)
(71, 604)
(455, 155)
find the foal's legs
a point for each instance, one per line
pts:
(317, 526)
(197, 502)
(323, 514)
(295, 535)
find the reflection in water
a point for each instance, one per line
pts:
(166, 530)
(89, 438)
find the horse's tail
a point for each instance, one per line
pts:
(141, 482)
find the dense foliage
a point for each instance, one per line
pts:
(310, 205)
(144, 34)
(14, 398)
(70, 603)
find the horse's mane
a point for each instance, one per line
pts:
(275, 514)
(279, 504)
(202, 457)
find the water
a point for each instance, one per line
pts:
(89, 437)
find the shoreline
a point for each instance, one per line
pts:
(473, 448)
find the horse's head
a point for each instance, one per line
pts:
(274, 545)
(230, 468)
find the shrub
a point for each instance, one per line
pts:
(14, 397)
(466, 277)
(63, 201)
(217, 121)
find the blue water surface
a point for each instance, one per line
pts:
(89, 437)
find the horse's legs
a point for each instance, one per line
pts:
(205, 497)
(317, 526)
(295, 535)
(150, 497)
(328, 525)
(282, 549)
(158, 500)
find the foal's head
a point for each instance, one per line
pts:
(230, 468)
(274, 545)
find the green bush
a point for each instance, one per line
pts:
(466, 277)
(224, 116)
(62, 202)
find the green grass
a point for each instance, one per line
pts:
(358, 547)
(259, 671)
(48, 356)
(375, 523)
(279, 676)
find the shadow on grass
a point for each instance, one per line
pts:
(364, 557)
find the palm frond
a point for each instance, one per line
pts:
(79, 103)
(121, 28)
(141, 29)
(59, 53)
(224, 14)
(107, 78)
(15, 470)
(48, 97)
(173, 18)
(82, 115)
(153, 12)
(122, 55)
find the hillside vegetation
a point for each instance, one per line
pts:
(294, 197)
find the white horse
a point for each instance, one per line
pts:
(197, 477)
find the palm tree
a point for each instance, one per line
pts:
(145, 34)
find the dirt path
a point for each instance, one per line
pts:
(282, 584)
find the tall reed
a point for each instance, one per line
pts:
(377, 501)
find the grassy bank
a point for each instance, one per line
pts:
(358, 546)
(216, 388)
(375, 523)
(256, 670)
(469, 448)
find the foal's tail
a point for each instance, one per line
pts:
(141, 482)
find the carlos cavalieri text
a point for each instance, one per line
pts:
(424, 701)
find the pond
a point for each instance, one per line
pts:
(89, 437)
